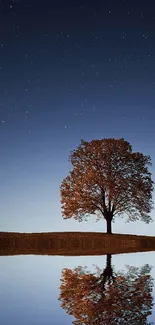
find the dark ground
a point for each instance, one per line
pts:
(72, 243)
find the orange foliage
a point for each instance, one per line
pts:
(127, 300)
(107, 179)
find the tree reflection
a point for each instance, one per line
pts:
(107, 297)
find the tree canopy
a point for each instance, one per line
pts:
(108, 179)
(95, 299)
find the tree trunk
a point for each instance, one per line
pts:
(109, 229)
(107, 275)
(108, 263)
(108, 269)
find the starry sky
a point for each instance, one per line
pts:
(69, 70)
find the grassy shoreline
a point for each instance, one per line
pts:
(73, 243)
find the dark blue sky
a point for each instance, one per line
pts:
(69, 70)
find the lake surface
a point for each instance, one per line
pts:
(106, 292)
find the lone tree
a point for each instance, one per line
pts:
(92, 300)
(107, 180)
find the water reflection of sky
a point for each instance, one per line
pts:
(30, 285)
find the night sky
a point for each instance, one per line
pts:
(69, 70)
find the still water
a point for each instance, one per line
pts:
(45, 290)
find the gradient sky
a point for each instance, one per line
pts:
(69, 70)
